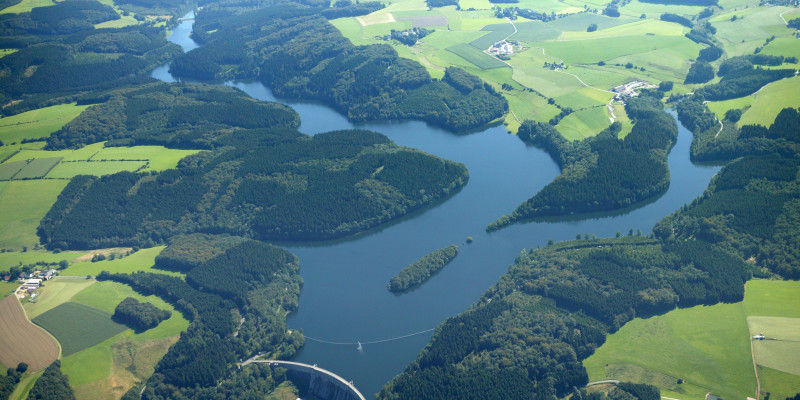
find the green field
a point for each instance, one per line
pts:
(579, 22)
(590, 51)
(142, 260)
(39, 123)
(26, 6)
(77, 327)
(779, 384)
(534, 31)
(30, 201)
(31, 257)
(476, 57)
(764, 106)
(7, 288)
(70, 169)
(497, 32)
(709, 347)
(37, 168)
(54, 293)
(9, 170)
(582, 124)
(706, 346)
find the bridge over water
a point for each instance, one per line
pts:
(321, 382)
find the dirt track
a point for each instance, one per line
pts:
(21, 340)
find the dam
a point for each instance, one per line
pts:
(322, 383)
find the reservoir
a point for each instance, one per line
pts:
(344, 300)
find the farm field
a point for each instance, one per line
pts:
(26, 6)
(54, 293)
(6, 288)
(39, 123)
(30, 200)
(93, 159)
(22, 341)
(705, 346)
(582, 124)
(764, 106)
(109, 368)
(142, 260)
(31, 257)
(77, 326)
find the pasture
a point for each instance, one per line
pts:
(779, 384)
(781, 350)
(54, 293)
(39, 123)
(109, 368)
(37, 168)
(497, 32)
(31, 257)
(71, 169)
(10, 169)
(77, 327)
(22, 341)
(476, 57)
(579, 22)
(585, 123)
(30, 201)
(706, 346)
(764, 106)
(26, 6)
(142, 260)
(534, 31)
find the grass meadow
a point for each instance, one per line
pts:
(142, 260)
(37, 168)
(764, 106)
(476, 57)
(26, 6)
(706, 346)
(39, 123)
(77, 326)
(71, 169)
(54, 293)
(709, 347)
(582, 124)
(30, 201)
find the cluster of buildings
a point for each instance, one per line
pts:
(32, 281)
(630, 89)
(501, 47)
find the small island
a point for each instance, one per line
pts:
(422, 269)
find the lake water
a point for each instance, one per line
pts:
(344, 298)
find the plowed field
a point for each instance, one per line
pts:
(21, 340)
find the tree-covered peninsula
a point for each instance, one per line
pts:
(421, 270)
(261, 179)
(604, 172)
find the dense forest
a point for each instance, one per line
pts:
(229, 320)
(53, 384)
(139, 316)
(421, 270)
(554, 306)
(271, 184)
(61, 55)
(174, 115)
(299, 54)
(604, 172)
(186, 252)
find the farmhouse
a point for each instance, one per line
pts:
(501, 47)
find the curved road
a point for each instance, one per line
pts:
(314, 367)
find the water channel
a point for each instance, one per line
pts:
(344, 298)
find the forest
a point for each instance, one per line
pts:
(61, 55)
(53, 384)
(602, 173)
(139, 316)
(361, 82)
(270, 184)
(222, 330)
(421, 270)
